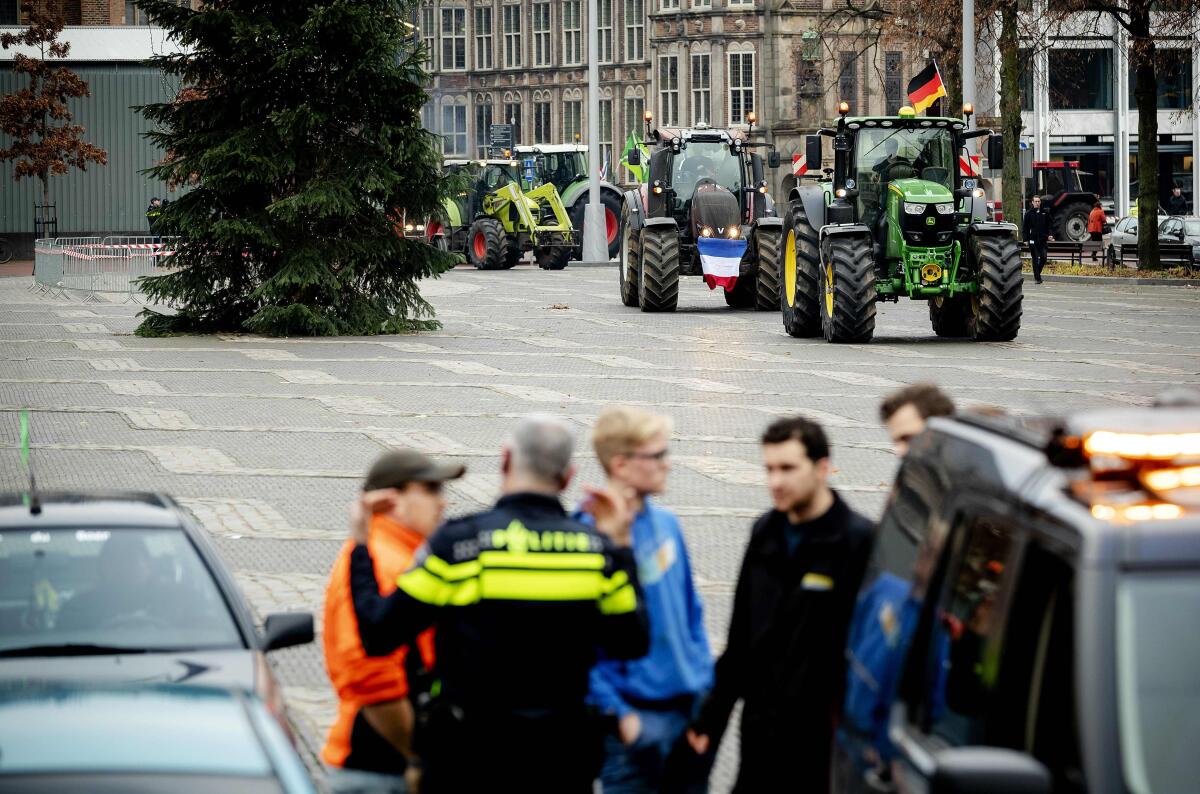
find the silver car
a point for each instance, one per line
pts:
(1124, 232)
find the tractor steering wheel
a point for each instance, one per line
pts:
(898, 162)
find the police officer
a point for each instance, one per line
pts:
(153, 211)
(520, 596)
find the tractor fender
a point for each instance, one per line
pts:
(812, 197)
(768, 223)
(660, 223)
(637, 210)
(844, 228)
(993, 228)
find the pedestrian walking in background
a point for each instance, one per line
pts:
(370, 748)
(904, 412)
(1095, 229)
(653, 699)
(785, 656)
(521, 597)
(1036, 230)
(884, 618)
(1176, 203)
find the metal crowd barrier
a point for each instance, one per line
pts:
(93, 265)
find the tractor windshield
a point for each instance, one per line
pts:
(884, 154)
(705, 160)
(564, 168)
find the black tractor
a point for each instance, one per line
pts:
(702, 183)
(1058, 184)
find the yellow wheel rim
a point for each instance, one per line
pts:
(829, 289)
(789, 268)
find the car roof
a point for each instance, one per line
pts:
(100, 509)
(59, 728)
(1011, 458)
(552, 148)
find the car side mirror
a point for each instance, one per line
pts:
(635, 157)
(988, 770)
(772, 159)
(286, 630)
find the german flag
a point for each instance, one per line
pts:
(926, 87)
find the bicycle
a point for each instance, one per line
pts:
(6, 250)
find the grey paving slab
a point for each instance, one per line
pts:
(264, 440)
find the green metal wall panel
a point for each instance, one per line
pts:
(107, 198)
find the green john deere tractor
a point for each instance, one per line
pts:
(565, 166)
(895, 218)
(493, 222)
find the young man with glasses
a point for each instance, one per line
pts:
(370, 743)
(653, 698)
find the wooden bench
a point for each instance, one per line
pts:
(1055, 249)
(1168, 254)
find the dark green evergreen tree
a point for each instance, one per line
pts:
(297, 137)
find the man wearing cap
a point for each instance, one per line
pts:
(522, 596)
(369, 747)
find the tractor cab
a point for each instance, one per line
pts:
(482, 177)
(562, 165)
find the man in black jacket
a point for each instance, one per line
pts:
(785, 657)
(520, 597)
(1176, 203)
(1036, 230)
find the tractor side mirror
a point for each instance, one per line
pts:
(995, 152)
(635, 157)
(812, 152)
(772, 159)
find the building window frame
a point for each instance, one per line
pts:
(542, 132)
(701, 88)
(635, 30)
(454, 40)
(483, 124)
(543, 55)
(484, 52)
(511, 19)
(604, 15)
(893, 82)
(429, 35)
(454, 127)
(571, 20)
(741, 91)
(668, 90)
(848, 79)
(572, 119)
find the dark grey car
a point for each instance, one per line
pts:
(1179, 229)
(1055, 567)
(126, 587)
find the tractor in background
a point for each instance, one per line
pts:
(493, 222)
(702, 183)
(895, 218)
(565, 166)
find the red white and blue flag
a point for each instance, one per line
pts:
(721, 260)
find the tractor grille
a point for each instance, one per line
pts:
(919, 231)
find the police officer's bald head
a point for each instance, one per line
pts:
(539, 450)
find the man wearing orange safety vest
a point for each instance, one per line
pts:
(370, 744)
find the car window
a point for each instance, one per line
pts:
(1192, 228)
(1168, 226)
(1158, 682)
(958, 665)
(142, 589)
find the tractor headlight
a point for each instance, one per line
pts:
(912, 208)
(420, 227)
(733, 232)
(945, 209)
(706, 231)
(408, 227)
(657, 186)
(840, 192)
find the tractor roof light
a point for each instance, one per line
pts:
(1142, 446)
(968, 108)
(648, 116)
(752, 118)
(906, 112)
(1130, 513)
(843, 108)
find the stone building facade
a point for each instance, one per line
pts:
(687, 61)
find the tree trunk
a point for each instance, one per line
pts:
(1146, 91)
(1010, 112)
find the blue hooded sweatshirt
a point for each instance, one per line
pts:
(679, 662)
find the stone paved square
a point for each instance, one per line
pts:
(265, 440)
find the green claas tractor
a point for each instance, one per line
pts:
(895, 218)
(493, 222)
(565, 166)
(706, 191)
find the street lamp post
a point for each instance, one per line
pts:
(968, 58)
(595, 236)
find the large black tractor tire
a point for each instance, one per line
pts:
(614, 223)
(948, 315)
(799, 277)
(552, 257)
(847, 288)
(512, 257)
(742, 294)
(487, 245)
(658, 276)
(767, 243)
(995, 310)
(1071, 222)
(630, 261)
